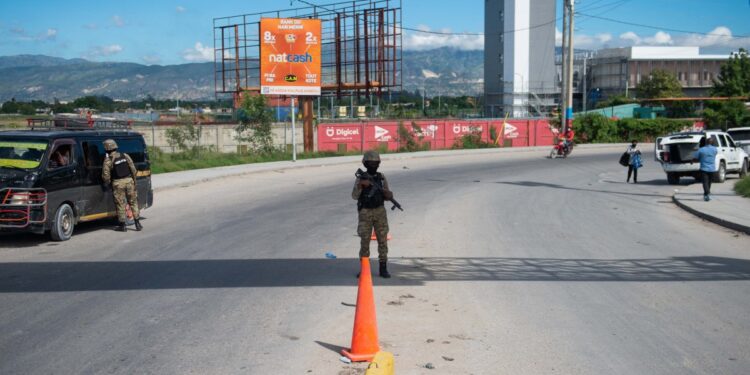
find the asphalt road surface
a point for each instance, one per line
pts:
(502, 264)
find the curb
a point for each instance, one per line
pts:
(713, 219)
(339, 160)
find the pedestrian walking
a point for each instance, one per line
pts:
(634, 162)
(371, 190)
(119, 170)
(706, 155)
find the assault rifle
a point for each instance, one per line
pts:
(362, 175)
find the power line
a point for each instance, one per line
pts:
(440, 32)
(443, 32)
(480, 34)
(659, 27)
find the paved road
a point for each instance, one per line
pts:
(505, 264)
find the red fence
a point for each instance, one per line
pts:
(432, 134)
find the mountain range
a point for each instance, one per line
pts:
(442, 71)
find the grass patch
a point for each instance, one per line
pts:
(742, 187)
(162, 162)
(12, 122)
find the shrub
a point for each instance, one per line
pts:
(742, 187)
(595, 128)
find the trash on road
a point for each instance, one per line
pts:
(330, 255)
(345, 359)
(429, 366)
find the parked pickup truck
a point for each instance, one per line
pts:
(676, 152)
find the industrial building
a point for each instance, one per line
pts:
(519, 57)
(618, 71)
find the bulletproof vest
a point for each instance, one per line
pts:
(372, 196)
(120, 168)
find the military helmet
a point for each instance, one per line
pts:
(110, 145)
(371, 156)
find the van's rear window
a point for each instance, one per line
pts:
(20, 153)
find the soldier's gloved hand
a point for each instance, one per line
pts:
(364, 183)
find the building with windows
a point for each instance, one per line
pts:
(619, 70)
(519, 57)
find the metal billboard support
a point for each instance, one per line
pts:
(361, 51)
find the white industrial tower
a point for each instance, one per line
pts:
(519, 57)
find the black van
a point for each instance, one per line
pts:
(51, 179)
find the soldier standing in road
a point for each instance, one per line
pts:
(371, 191)
(120, 171)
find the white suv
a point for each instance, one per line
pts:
(675, 153)
(741, 137)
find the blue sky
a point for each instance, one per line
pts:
(173, 32)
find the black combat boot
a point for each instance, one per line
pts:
(384, 270)
(138, 225)
(123, 227)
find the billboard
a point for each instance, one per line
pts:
(290, 56)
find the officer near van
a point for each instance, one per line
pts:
(706, 155)
(371, 191)
(119, 169)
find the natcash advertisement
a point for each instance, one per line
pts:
(290, 56)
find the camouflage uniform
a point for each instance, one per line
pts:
(370, 218)
(123, 189)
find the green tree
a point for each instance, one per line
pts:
(255, 123)
(726, 114)
(661, 84)
(734, 76)
(185, 138)
(615, 100)
(10, 107)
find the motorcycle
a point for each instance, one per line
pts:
(561, 149)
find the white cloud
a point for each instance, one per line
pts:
(180, 9)
(719, 36)
(103, 51)
(604, 37)
(50, 34)
(660, 38)
(630, 37)
(719, 39)
(90, 26)
(558, 37)
(199, 53)
(423, 41)
(118, 21)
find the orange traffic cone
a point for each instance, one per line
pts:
(374, 237)
(365, 335)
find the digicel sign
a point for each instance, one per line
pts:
(290, 56)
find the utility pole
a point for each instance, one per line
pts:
(569, 83)
(563, 67)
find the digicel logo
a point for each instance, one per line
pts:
(291, 58)
(347, 132)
